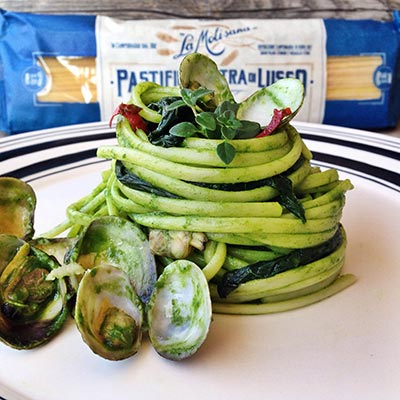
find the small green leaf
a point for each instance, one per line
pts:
(207, 120)
(200, 92)
(228, 133)
(211, 134)
(227, 106)
(183, 129)
(226, 116)
(190, 97)
(187, 97)
(248, 129)
(226, 152)
(176, 104)
(229, 120)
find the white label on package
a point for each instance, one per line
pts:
(250, 53)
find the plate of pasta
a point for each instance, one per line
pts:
(346, 346)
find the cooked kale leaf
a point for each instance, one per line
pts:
(287, 197)
(160, 135)
(265, 269)
(134, 182)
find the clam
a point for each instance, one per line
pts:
(60, 248)
(32, 308)
(197, 70)
(179, 311)
(9, 246)
(175, 244)
(112, 240)
(260, 106)
(108, 313)
(17, 207)
(57, 247)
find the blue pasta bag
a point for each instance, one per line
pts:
(31, 92)
(55, 70)
(373, 50)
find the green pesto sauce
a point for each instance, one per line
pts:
(79, 317)
(179, 318)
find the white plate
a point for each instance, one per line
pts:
(346, 347)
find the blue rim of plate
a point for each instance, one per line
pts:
(34, 155)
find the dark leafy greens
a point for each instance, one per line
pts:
(265, 269)
(161, 135)
(286, 195)
(189, 115)
(134, 182)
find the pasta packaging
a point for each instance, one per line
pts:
(59, 70)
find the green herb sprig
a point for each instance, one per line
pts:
(218, 124)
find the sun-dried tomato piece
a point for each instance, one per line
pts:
(275, 121)
(131, 113)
